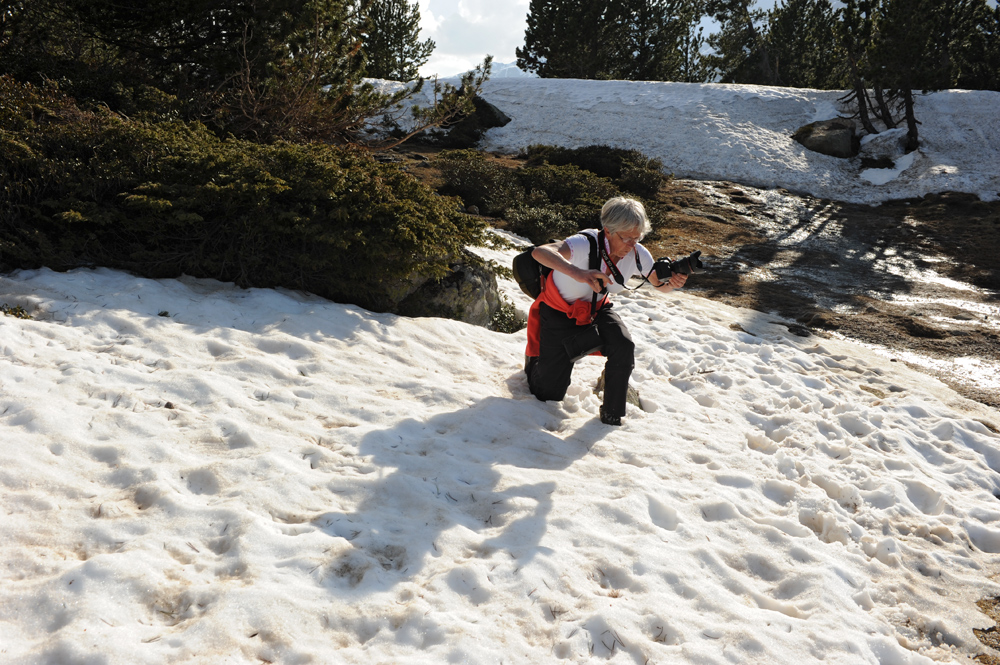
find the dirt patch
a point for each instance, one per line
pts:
(990, 637)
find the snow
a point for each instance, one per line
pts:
(883, 176)
(743, 133)
(196, 473)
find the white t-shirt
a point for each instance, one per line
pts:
(579, 248)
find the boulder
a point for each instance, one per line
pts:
(467, 130)
(835, 137)
(489, 115)
(888, 145)
(468, 293)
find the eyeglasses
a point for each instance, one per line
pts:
(628, 240)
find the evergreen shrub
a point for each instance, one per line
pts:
(575, 194)
(629, 170)
(482, 183)
(167, 198)
(543, 200)
(507, 319)
(540, 225)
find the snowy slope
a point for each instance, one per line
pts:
(194, 473)
(263, 476)
(743, 133)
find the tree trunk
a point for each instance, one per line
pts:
(861, 96)
(911, 122)
(883, 108)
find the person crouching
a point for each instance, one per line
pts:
(572, 317)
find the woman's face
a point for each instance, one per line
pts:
(622, 242)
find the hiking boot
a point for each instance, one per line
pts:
(614, 421)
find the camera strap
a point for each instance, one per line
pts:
(615, 272)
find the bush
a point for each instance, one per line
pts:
(19, 312)
(559, 192)
(507, 319)
(576, 195)
(488, 186)
(540, 225)
(629, 170)
(566, 185)
(163, 199)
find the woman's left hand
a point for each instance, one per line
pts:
(676, 281)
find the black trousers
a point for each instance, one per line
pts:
(550, 374)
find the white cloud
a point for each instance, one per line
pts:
(465, 31)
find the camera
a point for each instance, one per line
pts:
(689, 265)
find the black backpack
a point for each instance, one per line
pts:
(529, 273)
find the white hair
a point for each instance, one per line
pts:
(622, 214)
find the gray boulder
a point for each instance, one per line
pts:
(887, 145)
(468, 293)
(835, 137)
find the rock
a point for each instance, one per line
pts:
(489, 115)
(467, 130)
(468, 293)
(796, 329)
(826, 320)
(888, 145)
(631, 395)
(835, 137)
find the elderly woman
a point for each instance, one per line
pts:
(572, 317)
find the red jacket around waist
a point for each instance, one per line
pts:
(578, 309)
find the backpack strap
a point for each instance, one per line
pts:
(595, 263)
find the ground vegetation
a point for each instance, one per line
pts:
(217, 138)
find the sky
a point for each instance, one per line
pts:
(465, 31)
(196, 473)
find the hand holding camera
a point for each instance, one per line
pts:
(689, 265)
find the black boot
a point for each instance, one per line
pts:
(615, 421)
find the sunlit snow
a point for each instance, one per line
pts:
(195, 473)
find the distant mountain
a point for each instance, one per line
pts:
(508, 70)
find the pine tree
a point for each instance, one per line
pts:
(970, 28)
(854, 32)
(569, 39)
(913, 50)
(281, 69)
(741, 50)
(621, 39)
(391, 47)
(692, 65)
(990, 80)
(801, 40)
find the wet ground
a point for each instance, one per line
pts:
(917, 280)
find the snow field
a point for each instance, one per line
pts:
(742, 133)
(263, 475)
